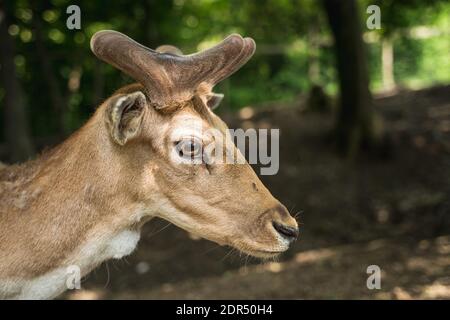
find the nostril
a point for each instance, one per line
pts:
(290, 233)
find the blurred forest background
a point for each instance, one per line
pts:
(365, 135)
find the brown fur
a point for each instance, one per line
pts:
(50, 205)
(84, 201)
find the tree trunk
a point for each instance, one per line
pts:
(57, 98)
(99, 84)
(16, 129)
(354, 127)
(313, 55)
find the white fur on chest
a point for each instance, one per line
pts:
(89, 256)
(116, 247)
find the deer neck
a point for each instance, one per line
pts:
(69, 207)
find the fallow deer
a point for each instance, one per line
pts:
(86, 200)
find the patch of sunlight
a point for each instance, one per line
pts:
(401, 294)
(264, 125)
(13, 30)
(274, 267)
(74, 80)
(444, 248)
(179, 3)
(246, 113)
(443, 240)
(443, 245)
(194, 237)
(56, 36)
(429, 267)
(247, 125)
(191, 21)
(383, 295)
(212, 41)
(86, 295)
(383, 214)
(19, 61)
(314, 256)
(371, 37)
(418, 263)
(436, 291)
(26, 35)
(24, 14)
(297, 46)
(50, 15)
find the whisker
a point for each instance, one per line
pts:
(298, 214)
(292, 208)
(163, 228)
(210, 249)
(126, 261)
(108, 276)
(246, 261)
(229, 252)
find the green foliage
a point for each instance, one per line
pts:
(432, 67)
(289, 33)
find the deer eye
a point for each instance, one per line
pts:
(189, 148)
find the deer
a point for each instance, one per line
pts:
(85, 201)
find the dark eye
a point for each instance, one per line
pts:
(189, 148)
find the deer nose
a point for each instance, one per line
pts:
(287, 232)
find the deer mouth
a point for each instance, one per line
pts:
(269, 253)
(257, 250)
(282, 238)
(264, 254)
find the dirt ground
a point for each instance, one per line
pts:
(391, 209)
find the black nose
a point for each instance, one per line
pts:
(290, 233)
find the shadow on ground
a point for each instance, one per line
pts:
(390, 210)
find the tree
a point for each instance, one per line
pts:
(355, 122)
(16, 129)
(57, 98)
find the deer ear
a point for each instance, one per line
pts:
(214, 99)
(124, 116)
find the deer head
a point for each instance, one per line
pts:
(160, 130)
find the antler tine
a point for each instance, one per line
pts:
(245, 55)
(233, 57)
(137, 61)
(213, 63)
(166, 77)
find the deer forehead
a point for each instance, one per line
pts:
(188, 124)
